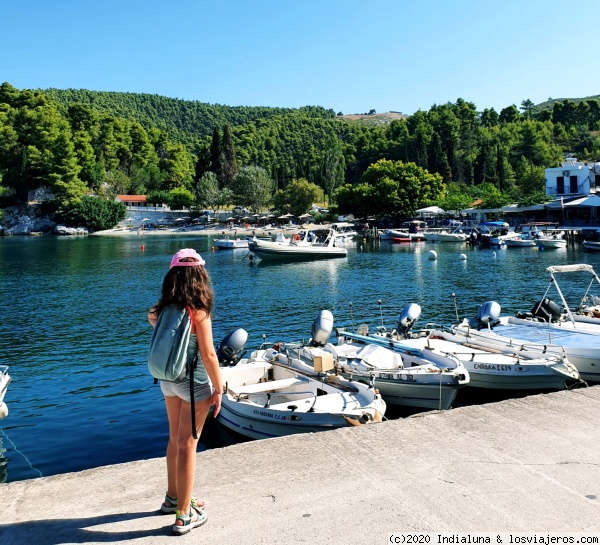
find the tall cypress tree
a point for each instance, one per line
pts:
(229, 166)
(215, 155)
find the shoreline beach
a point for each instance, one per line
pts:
(226, 232)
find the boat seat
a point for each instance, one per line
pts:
(268, 386)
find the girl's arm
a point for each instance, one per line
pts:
(203, 327)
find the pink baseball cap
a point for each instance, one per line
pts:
(176, 261)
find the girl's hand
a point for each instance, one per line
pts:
(215, 400)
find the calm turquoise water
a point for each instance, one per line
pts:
(73, 326)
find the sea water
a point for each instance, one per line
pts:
(74, 328)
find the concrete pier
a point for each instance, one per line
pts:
(531, 464)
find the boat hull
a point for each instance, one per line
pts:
(266, 399)
(445, 237)
(227, 244)
(290, 252)
(591, 245)
(581, 349)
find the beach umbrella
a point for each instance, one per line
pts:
(146, 219)
(304, 216)
(179, 219)
(282, 217)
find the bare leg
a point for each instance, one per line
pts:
(173, 411)
(186, 451)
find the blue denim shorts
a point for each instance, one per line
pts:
(182, 390)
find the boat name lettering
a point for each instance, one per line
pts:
(397, 376)
(271, 415)
(492, 367)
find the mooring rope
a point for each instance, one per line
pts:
(15, 447)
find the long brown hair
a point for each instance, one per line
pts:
(186, 287)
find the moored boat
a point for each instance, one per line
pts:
(410, 378)
(265, 398)
(313, 245)
(456, 235)
(487, 366)
(581, 348)
(591, 245)
(231, 243)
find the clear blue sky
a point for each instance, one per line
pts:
(349, 55)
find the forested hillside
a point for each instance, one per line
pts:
(194, 154)
(186, 121)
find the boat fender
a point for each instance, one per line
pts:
(3, 409)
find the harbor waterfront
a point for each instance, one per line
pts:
(75, 335)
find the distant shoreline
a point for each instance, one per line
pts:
(227, 232)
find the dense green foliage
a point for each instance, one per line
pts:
(184, 120)
(391, 187)
(86, 142)
(93, 212)
(297, 197)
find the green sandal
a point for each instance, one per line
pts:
(188, 521)
(169, 506)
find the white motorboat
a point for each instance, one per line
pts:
(392, 234)
(265, 398)
(4, 382)
(231, 243)
(344, 231)
(494, 233)
(509, 370)
(553, 239)
(591, 245)
(456, 235)
(518, 240)
(407, 377)
(584, 317)
(487, 366)
(312, 245)
(509, 334)
(413, 232)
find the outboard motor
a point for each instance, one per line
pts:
(546, 311)
(322, 328)
(232, 346)
(487, 315)
(409, 315)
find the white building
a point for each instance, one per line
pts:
(573, 178)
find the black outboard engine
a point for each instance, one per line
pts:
(232, 346)
(321, 328)
(409, 315)
(487, 315)
(546, 311)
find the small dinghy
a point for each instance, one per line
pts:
(266, 398)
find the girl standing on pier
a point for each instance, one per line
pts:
(187, 284)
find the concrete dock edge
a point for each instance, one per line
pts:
(531, 464)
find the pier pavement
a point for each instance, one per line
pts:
(518, 466)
